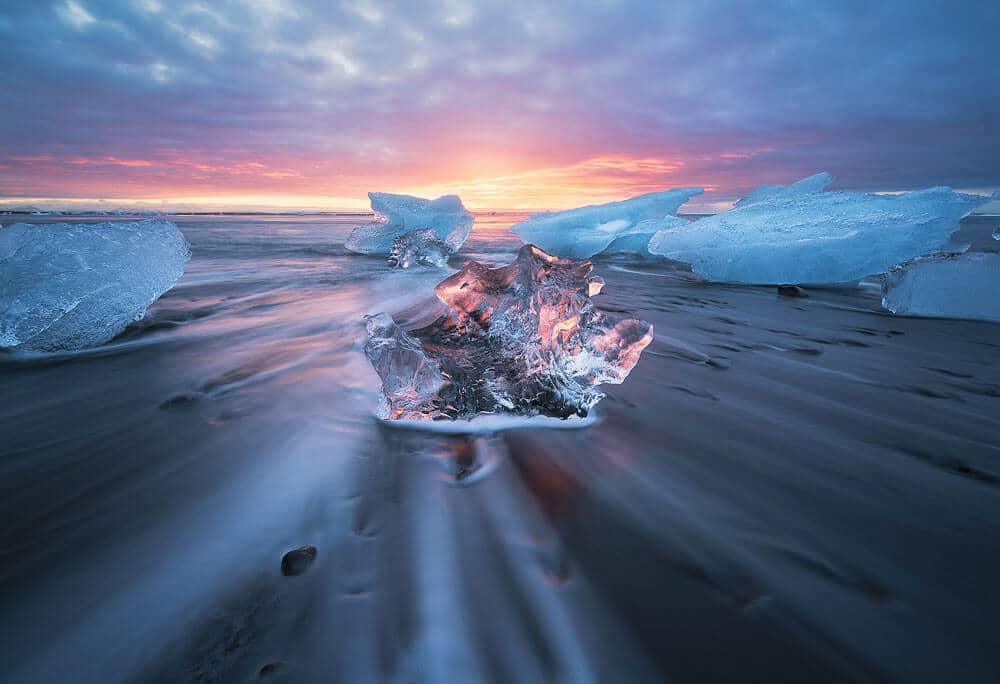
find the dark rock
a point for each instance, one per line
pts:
(297, 561)
(182, 401)
(271, 668)
(791, 291)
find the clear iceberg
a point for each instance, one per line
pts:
(522, 339)
(410, 377)
(419, 248)
(799, 234)
(624, 226)
(400, 214)
(946, 286)
(71, 286)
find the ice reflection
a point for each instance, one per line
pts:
(464, 460)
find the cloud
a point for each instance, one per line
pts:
(335, 99)
(75, 15)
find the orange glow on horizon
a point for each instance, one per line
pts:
(594, 181)
(283, 185)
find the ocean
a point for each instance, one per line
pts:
(793, 489)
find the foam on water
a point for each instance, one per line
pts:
(487, 424)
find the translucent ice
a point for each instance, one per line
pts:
(624, 226)
(399, 214)
(810, 185)
(522, 339)
(70, 286)
(798, 234)
(945, 285)
(410, 378)
(419, 248)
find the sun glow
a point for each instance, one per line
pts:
(287, 185)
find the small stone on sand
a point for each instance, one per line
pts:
(297, 561)
(271, 668)
(791, 291)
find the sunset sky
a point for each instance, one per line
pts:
(264, 103)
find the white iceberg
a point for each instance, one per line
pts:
(399, 214)
(799, 234)
(70, 286)
(946, 286)
(624, 226)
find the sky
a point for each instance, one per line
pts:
(309, 104)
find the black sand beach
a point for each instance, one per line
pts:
(784, 489)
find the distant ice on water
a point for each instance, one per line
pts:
(397, 215)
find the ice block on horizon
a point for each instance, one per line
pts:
(397, 215)
(522, 339)
(945, 286)
(71, 286)
(616, 227)
(800, 234)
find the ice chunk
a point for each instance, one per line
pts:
(624, 226)
(399, 214)
(522, 339)
(70, 286)
(811, 185)
(410, 378)
(419, 248)
(800, 235)
(945, 285)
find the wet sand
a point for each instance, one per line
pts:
(784, 489)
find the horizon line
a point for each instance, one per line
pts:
(313, 204)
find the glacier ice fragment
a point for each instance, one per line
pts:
(419, 248)
(71, 286)
(798, 234)
(409, 376)
(946, 286)
(522, 339)
(616, 227)
(400, 214)
(812, 185)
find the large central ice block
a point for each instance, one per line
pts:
(624, 226)
(397, 215)
(799, 234)
(70, 286)
(523, 339)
